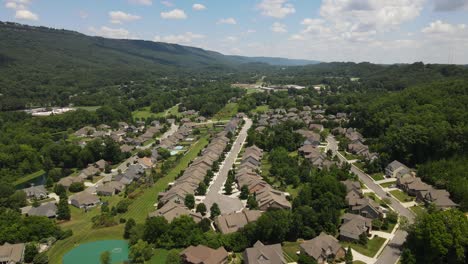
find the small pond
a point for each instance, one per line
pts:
(90, 253)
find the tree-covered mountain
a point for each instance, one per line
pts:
(36, 62)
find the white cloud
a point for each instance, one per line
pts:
(117, 33)
(279, 28)
(141, 2)
(167, 3)
(439, 27)
(297, 37)
(276, 8)
(250, 31)
(185, 38)
(174, 14)
(119, 17)
(26, 15)
(198, 7)
(229, 21)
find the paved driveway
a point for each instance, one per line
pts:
(392, 251)
(214, 194)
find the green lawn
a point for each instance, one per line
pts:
(377, 176)
(387, 184)
(88, 108)
(373, 245)
(261, 109)
(401, 196)
(159, 256)
(140, 207)
(29, 177)
(228, 111)
(418, 210)
(358, 262)
(144, 113)
(349, 156)
(289, 251)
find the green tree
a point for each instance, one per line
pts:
(349, 256)
(30, 252)
(252, 203)
(76, 187)
(439, 237)
(154, 228)
(63, 211)
(41, 258)
(201, 190)
(228, 187)
(214, 211)
(189, 201)
(140, 252)
(363, 239)
(173, 257)
(305, 259)
(105, 257)
(129, 225)
(201, 208)
(244, 194)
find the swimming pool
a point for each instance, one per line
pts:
(90, 253)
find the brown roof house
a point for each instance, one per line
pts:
(11, 253)
(204, 255)
(271, 198)
(84, 200)
(367, 208)
(396, 169)
(440, 198)
(323, 248)
(230, 223)
(264, 254)
(353, 226)
(46, 209)
(110, 188)
(36, 192)
(173, 210)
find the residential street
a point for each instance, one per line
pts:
(214, 194)
(392, 250)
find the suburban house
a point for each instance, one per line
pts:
(316, 127)
(353, 226)
(204, 255)
(67, 181)
(271, 198)
(36, 192)
(48, 210)
(367, 208)
(84, 200)
(323, 248)
(12, 253)
(110, 188)
(230, 223)
(173, 210)
(396, 169)
(440, 198)
(262, 254)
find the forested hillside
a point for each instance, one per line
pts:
(420, 126)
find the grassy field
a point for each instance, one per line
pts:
(159, 256)
(228, 111)
(349, 156)
(81, 223)
(289, 251)
(401, 196)
(29, 177)
(377, 176)
(144, 112)
(373, 245)
(261, 109)
(358, 262)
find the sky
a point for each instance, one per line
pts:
(378, 31)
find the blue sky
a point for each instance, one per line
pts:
(380, 31)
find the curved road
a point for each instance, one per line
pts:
(392, 250)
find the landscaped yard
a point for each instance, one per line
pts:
(377, 176)
(261, 109)
(349, 156)
(81, 223)
(228, 111)
(373, 245)
(159, 256)
(388, 184)
(289, 251)
(418, 210)
(401, 196)
(88, 108)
